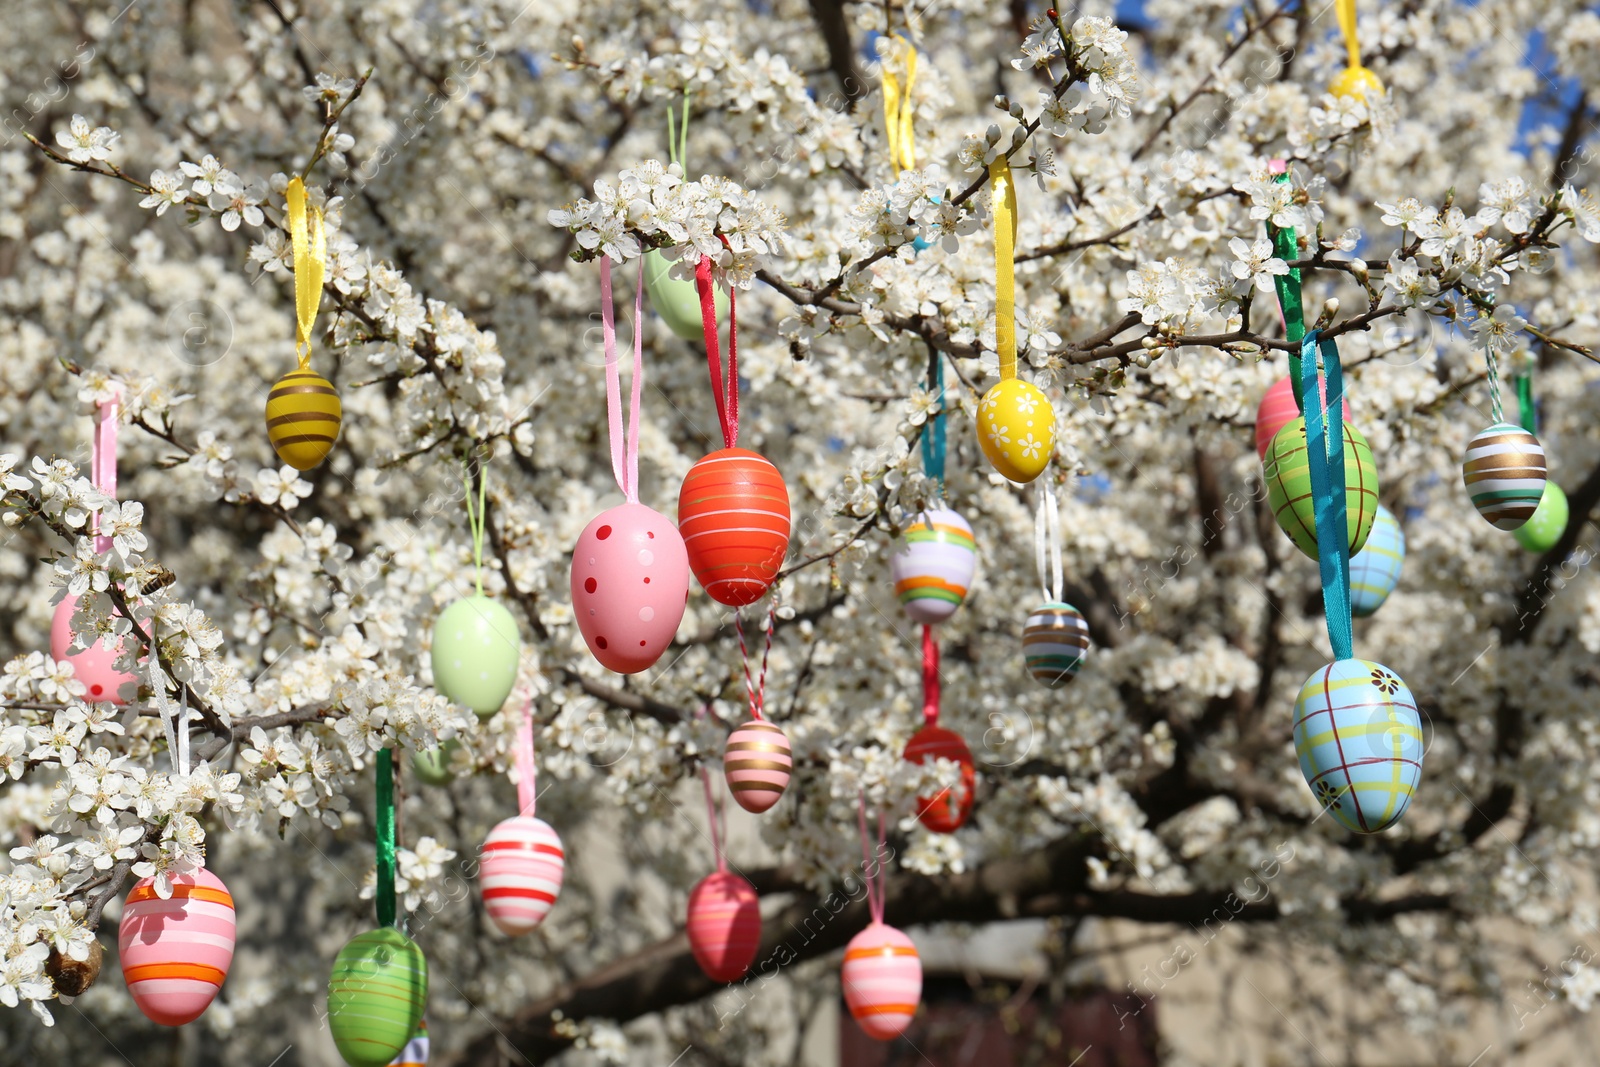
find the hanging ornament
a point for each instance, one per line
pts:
(947, 810)
(1287, 471)
(932, 568)
(1278, 408)
(1355, 80)
(379, 984)
(733, 508)
(415, 1054)
(432, 765)
(303, 410)
(1055, 639)
(1016, 424)
(1375, 570)
(630, 571)
(724, 921)
(1543, 531)
(882, 974)
(523, 862)
(756, 761)
(1356, 729)
(1504, 469)
(675, 299)
(477, 646)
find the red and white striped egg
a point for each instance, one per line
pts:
(724, 925)
(520, 873)
(882, 980)
(757, 763)
(176, 952)
(630, 582)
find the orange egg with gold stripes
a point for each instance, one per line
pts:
(882, 980)
(176, 952)
(303, 416)
(733, 512)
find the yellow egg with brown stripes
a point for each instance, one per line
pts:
(303, 415)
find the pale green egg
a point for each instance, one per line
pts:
(676, 300)
(476, 650)
(432, 765)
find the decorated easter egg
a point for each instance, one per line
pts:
(376, 996)
(1375, 570)
(1054, 641)
(1358, 82)
(946, 811)
(932, 566)
(95, 666)
(724, 925)
(630, 582)
(677, 300)
(1505, 475)
(757, 764)
(733, 512)
(1287, 471)
(882, 981)
(432, 765)
(303, 415)
(1359, 739)
(476, 651)
(520, 873)
(175, 952)
(1549, 522)
(1277, 410)
(415, 1054)
(1016, 429)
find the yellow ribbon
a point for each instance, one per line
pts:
(1347, 26)
(309, 242)
(1003, 194)
(897, 109)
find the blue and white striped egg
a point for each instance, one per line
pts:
(1359, 739)
(1505, 474)
(1055, 640)
(1375, 570)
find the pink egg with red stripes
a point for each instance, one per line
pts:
(757, 763)
(630, 582)
(1278, 410)
(520, 873)
(724, 926)
(882, 980)
(176, 952)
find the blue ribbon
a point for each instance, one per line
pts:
(933, 435)
(1325, 453)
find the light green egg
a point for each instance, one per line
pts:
(476, 650)
(1287, 472)
(676, 300)
(376, 996)
(1541, 532)
(432, 765)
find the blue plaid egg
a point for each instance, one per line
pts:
(1359, 739)
(1375, 570)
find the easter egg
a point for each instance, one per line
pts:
(947, 810)
(477, 649)
(303, 415)
(757, 763)
(1549, 521)
(1277, 410)
(1017, 429)
(1359, 739)
(1054, 641)
(95, 666)
(1287, 472)
(882, 981)
(175, 953)
(1505, 475)
(520, 873)
(1357, 82)
(432, 765)
(733, 512)
(630, 582)
(376, 996)
(724, 925)
(1375, 570)
(415, 1054)
(932, 567)
(677, 300)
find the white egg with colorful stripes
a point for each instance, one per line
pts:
(932, 568)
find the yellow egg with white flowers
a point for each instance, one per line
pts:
(1017, 429)
(1356, 82)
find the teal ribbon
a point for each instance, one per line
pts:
(1325, 453)
(1530, 414)
(933, 435)
(385, 838)
(1286, 246)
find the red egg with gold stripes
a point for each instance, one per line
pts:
(520, 873)
(724, 925)
(882, 981)
(947, 810)
(176, 952)
(757, 763)
(733, 512)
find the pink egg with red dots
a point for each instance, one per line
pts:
(95, 666)
(630, 582)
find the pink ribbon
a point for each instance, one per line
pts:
(103, 459)
(711, 809)
(870, 863)
(624, 441)
(527, 791)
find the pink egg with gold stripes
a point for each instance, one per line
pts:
(757, 764)
(882, 980)
(724, 926)
(175, 952)
(520, 873)
(1278, 410)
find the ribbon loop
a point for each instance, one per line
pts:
(871, 866)
(309, 243)
(103, 458)
(930, 677)
(1003, 192)
(1347, 26)
(1325, 455)
(717, 834)
(386, 838)
(757, 692)
(1047, 544)
(1286, 246)
(933, 439)
(476, 517)
(527, 772)
(724, 381)
(624, 439)
(897, 107)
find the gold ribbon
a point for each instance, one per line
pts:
(1003, 193)
(897, 109)
(309, 242)
(1347, 26)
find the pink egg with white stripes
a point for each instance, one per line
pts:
(757, 763)
(630, 582)
(724, 926)
(176, 952)
(882, 980)
(520, 873)
(95, 666)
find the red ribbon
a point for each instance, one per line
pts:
(724, 383)
(930, 677)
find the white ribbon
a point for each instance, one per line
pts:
(1047, 532)
(174, 721)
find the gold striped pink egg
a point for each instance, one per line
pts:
(757, 763)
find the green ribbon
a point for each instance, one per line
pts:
(1286, 246)
(475, 519)
(1530, 414)
(386, 910)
